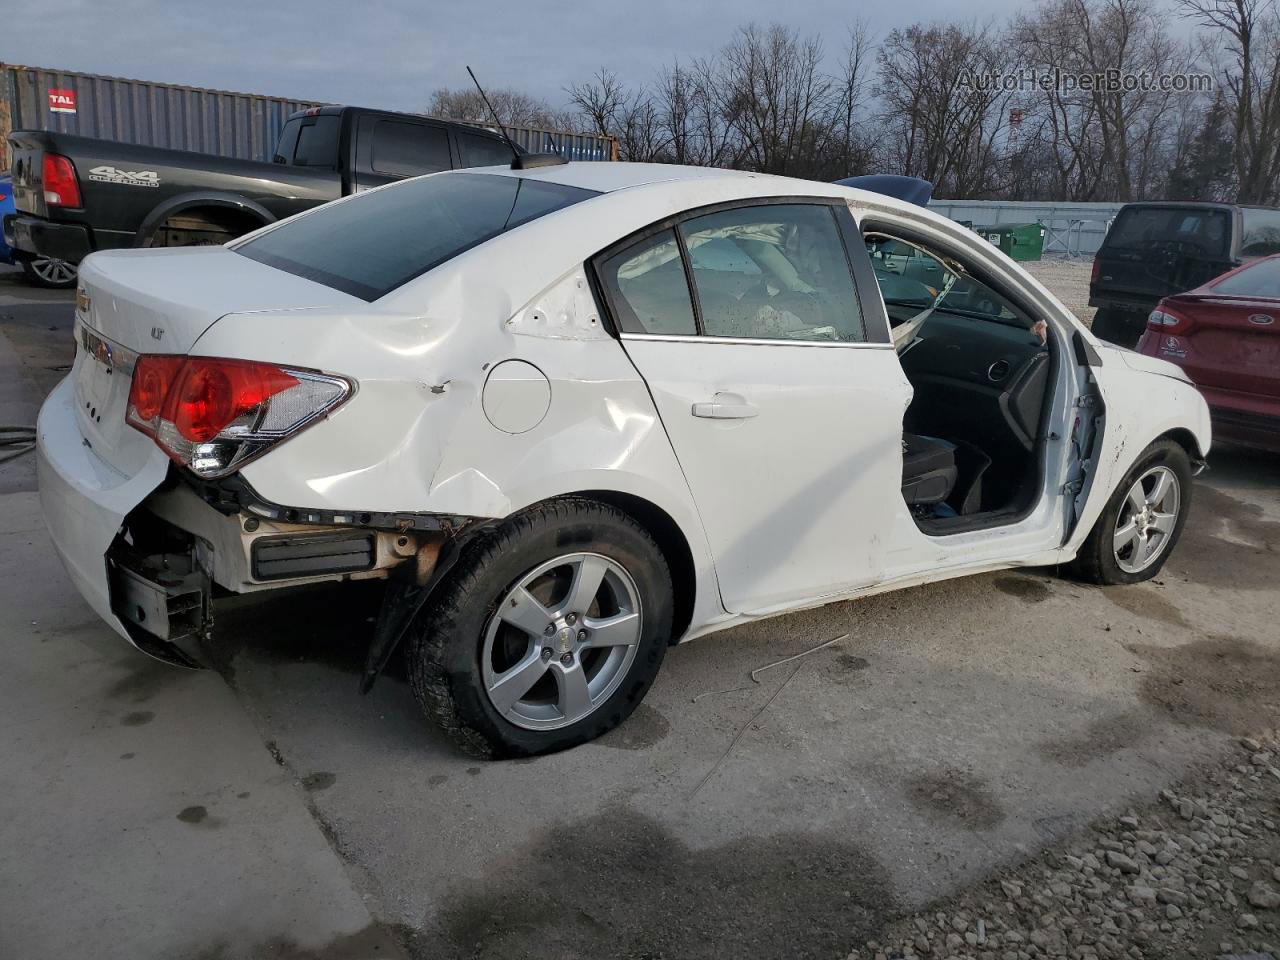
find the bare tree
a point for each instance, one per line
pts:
(1252, 82)
(941, 121)
(512, 107)
(776, 97)
(1106, 144)
(601, 101)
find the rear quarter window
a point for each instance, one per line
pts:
(373, 243)
(1260, 236)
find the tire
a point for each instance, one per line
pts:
(467, 663)
(1101, 558)
(1115, 327)
(48, 272)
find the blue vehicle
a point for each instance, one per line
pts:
(41, 271)
(911, 189)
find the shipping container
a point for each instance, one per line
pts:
(242, 125)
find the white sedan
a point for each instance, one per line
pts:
(576, 413)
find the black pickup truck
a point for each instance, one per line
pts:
(1156, 249)
(75, 194)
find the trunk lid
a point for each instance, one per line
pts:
(162, 301)
(1230, 343)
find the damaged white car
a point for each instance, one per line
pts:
(576, 413)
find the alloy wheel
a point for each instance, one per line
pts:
(561, 641)
(1147, 519)
(53, 272)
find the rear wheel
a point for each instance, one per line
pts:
(1142, 521)
(547, 634)
(48, 272)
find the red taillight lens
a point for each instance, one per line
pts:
(61, 188)
(211, 414)
(152, 378)
(1097, 268)
(214, 393)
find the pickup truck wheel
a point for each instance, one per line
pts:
(47, 272)
(1142, 521)
(547, 633)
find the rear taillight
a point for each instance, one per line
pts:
(1097, 268)
(61, 188)
(213, 415)
(1161, 320)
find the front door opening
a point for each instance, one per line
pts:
(981, 370)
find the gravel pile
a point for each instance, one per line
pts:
(1196, 874)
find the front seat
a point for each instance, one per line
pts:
(928, 469)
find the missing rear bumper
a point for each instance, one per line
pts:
(164, 600)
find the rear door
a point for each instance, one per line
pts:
(776, 382)
(1232, 333)
(1151, 252)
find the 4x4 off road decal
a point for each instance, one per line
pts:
(128, 178)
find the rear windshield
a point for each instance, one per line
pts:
(1259, 279)
(1191, 231)
(371, 244)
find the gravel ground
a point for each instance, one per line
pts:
(1194, 874)
(1068, 278)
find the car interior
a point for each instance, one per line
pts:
(981, 369)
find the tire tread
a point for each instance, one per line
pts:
(438, 623)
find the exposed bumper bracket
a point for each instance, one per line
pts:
(405, 598)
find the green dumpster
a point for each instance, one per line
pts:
(1021, 241)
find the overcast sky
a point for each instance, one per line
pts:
(394, 54)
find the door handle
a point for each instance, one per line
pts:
(725, 406)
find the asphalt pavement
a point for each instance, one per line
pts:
(268, 810)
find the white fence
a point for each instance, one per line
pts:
(1074, 229)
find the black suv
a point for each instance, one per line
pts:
(1154, 250)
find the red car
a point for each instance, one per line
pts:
(1226, 336)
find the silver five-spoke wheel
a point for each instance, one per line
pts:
(561, 640)
(1147, 519)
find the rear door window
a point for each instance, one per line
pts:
(477, 151)
(1202, 232)
(370, 244)
(402, 149)
(773, 272)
